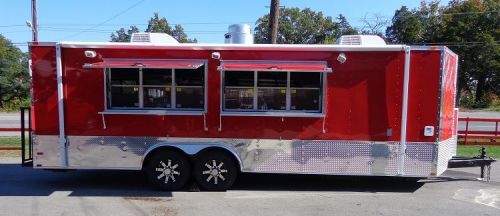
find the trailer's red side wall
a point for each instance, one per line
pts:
(363, 99)
(44, 90)
(423, 94)
(449, 94)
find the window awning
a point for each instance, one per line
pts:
(176, 64)
(274, 66)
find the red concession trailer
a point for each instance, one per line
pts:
(211, 111)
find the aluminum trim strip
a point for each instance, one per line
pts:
(274, 114)
(60, 108)
(442, 77)
(150, 112)
(404, 113)
(426, 48)
(143, 63)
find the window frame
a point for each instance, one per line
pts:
(141, 110)
(280, 113)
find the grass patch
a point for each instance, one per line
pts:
(474, 150)
(10, 153)
(10, 141)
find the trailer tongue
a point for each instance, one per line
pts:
(482, 161)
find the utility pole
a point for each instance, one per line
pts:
(274, 15)
(34, 26)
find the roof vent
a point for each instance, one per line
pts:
(363, 40)
(238, 34)
(154, 38)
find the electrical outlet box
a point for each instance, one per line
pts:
(429, 131)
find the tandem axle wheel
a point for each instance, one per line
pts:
(213, 170)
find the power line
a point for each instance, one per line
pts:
(15, 25)
(437, 15)
(211, 23)
(114, 31)
(465, 13)
(105, 21)
(109, 30)
(27, 30)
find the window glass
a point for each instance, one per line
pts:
(157, 97)
(239, 90)
(271, 90)
(305, 99)
(124, 76)
(271, 79)
(238, 98)
(305, 91)
(189, 90)
(124, 97)
(305, 79)
(189, 77)
(152, 76)
(124, 87)
(272, 99)
(189, 97)
(239, 78)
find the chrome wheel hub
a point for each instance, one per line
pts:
(215, 171)
(167, 171)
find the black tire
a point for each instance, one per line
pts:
(215, 170)
(171, 164)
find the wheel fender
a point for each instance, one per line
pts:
(194, 148)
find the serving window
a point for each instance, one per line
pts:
(141, 88)
(273, 91)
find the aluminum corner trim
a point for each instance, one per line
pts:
(60, 108)
(404, 113)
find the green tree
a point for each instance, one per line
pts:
(472, 27)
(345, 27)
(14, 77)
(374, 25)
(122, 35)
(420, 25)
(156, 24)
(429, 16)
(406, 27)
(299, 27)
(469, 28)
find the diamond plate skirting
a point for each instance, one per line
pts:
(255, 155)
(446, 150)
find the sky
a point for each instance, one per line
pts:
(205, 20)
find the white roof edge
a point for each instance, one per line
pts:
(197, 46)
(33, 43)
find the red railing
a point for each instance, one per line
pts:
(466, 135)
(10, 129)
(10, 147)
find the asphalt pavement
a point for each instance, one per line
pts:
(27, 191)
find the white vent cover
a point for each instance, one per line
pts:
(154, 38)
(364, 40)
